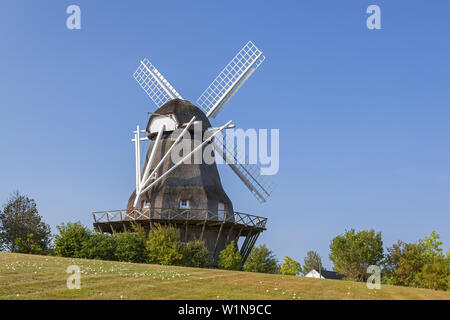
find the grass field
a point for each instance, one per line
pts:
(41, 277)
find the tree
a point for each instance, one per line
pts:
(312, 261)
(70, 240)
(28, 246)
(432, 245)
(420, 264)
(164, 246)
(353, 252)
(230, 258)
(19, 218)
(290, 267)
(261, 259)
(403, 262)
(196, 255)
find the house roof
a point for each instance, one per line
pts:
(331, 275)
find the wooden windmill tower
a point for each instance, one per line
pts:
(190, 195)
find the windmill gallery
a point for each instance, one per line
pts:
(171, 189)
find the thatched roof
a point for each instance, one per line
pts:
(198, 183)
(183, 111)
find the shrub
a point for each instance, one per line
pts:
(99, 246)
(69, 241)
(435, 275)
(139, 231)
(420, 264)
(230, 258)
(27, 246)
(130, 248)
(290, 267)
(196, 255)
(403, 262)
(261, 259)
(163, 246)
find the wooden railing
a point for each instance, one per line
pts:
(179, 214)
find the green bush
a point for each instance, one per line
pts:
(230, 258)
(195, 254)
(353, 252)
(420, 264)
(290, 267)
(436, 274)
(403, 262)
(261, 259)
(163, 246)
(99, 246)
(130, 248)
(69, 241)
(28, 246)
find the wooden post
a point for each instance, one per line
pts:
(245, 242)
(186, 230)
(229, 233)
(218, 237)
(250, 247)
(204, 225)
(239, 234)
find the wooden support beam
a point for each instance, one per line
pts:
(245, 251)
(229, 233)
(216, 224)
(218, 237)
(204, 225)
(250, 247)
(239, 234)
(244, 245)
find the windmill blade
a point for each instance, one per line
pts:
(232, 77)
(196, 149)
(250, 174)
(154, 84)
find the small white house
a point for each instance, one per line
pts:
(324, 274)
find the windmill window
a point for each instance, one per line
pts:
(221, 211)
(184, 204)
(145, 204)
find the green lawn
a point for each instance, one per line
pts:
(40, 277)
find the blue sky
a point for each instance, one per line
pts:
(363, 114)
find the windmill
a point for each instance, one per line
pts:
(191, 196)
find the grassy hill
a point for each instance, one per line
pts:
(40, 277)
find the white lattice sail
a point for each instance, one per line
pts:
(232, 77)
(154, 84)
